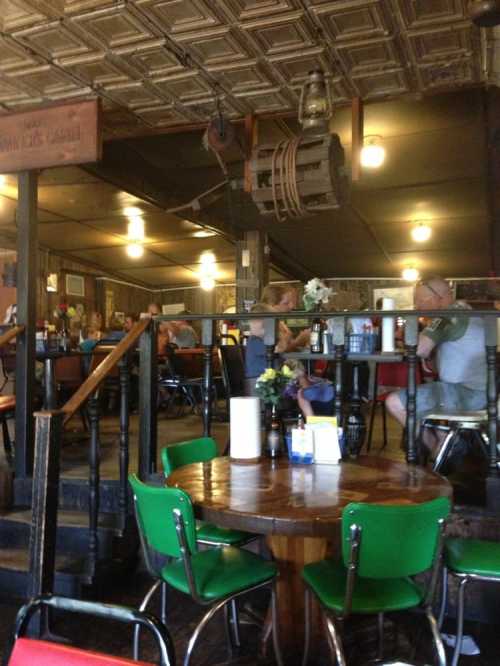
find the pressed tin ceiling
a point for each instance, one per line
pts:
(159, 64)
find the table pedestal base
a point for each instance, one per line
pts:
(291, 554)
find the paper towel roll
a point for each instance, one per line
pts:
(245, 430)
(388, 326)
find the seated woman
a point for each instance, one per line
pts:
(314, 395)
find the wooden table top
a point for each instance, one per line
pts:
(299, 500)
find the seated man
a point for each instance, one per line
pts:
(459, 344)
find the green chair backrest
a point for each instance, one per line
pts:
(190, 451)
(154, 507)
(396, 541)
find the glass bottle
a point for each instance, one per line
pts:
(273, 434)
(316, 339)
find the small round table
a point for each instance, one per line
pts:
(298, 507)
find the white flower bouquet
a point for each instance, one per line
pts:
(316, 293)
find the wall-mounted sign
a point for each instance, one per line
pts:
(51, 136)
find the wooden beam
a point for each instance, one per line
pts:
(251, 137)
(492, 123)
(27, 277)
(357, 137)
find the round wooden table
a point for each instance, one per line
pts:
(298, 507)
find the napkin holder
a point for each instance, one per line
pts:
(325, 438)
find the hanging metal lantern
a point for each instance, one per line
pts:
(485, 13)
(315, 107)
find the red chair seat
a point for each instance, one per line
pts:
(28, 652)
(7, 403)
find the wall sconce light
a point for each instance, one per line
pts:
(136, 228)
(373, 153)
(208, 271)
(315, 106)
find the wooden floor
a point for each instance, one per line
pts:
(183, 613)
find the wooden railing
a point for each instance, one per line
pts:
(48, 431)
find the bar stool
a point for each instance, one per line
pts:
(457, 423)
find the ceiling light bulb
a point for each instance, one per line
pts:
(131, 211)
(3, 180)
(207, 258)
(135, 250)
(410, 274)
(421, 233)
(135, 228)
(372, 154)
(207, 283)
(203, 233)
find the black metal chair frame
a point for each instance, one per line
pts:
(105, 611)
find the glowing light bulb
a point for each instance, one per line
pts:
(135, 228)
(132, 211)
(372, 154)
(207, 283)
(135, 250)
(410, 274)
(207, 258)
(421, 233)
(3, 180)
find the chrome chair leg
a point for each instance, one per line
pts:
(443, 451)
(380, 627)
(142, 607)
(201, 625)
(460, 620)
(229, 631)
(235, 621)
(164, 592)
(438, 641)
(336, 641)
(307, 627)
(444, 598)
(275, 623)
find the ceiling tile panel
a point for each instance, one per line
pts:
(266, 101)
(52, 40)
(295, 67)
(114, 26)
(378, 84)
(239, 77)
(432, 45)
(176, 16)
(353, 20)
(164, 116)
(45, 80)
(135, 94)
(444, 76)
(20, 13)
(150, 58)
(206, 109)
(185, 86)
(420, 13)
(369, 54)
(215, 46)
(243, 10)
(95, 69)
(281, 33)
(13, 56)
(117, 257)
(73, 236)
(163, 275)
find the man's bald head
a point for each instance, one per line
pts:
(433, 294)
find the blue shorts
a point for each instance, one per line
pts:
(445, 397)
(320, 392)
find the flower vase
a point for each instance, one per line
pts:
(273, 437)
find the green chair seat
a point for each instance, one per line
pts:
(209, 533)
(473, 556)
(220, 572)
(202, 449)
(328, 578)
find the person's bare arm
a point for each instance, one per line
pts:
(425, 346)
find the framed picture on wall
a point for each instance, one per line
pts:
(75, 285)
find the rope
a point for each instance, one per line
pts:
(286, 197)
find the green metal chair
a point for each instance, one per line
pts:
(202, 449)
(215, 577)
(467, 560)
(382, 548)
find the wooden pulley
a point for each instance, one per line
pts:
(220, 134)
(299, 177)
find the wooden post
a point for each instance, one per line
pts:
(357, 137)
(45, 500)
(148, 399)
(411, 342)
(338, 345)
(251, 129)
(252, 267)
(27, 276)
(492, 139)
(207, 340)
